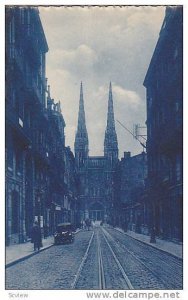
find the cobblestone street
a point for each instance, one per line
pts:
(102, 258)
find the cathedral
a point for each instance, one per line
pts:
(96, 173)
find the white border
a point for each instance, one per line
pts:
(65, 295)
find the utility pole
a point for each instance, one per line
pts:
(136, 135)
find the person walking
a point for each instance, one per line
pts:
(88, 223)
(36, 237)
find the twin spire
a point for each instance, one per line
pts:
(110, 140)
(81, 114)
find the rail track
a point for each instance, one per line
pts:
(102, 273)
(155, 272)
(126, 284)
(73, 285)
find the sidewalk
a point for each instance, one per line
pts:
(166, 246)
(19, 252)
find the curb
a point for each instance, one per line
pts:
(12, 263)
(150, 245)
(27, 256)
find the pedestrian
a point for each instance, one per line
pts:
(45, 231)
(125, 225)
(83, 224)
(36, 237)
(88, 223)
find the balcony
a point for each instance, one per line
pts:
(33, 90)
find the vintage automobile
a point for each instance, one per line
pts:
(64, 234)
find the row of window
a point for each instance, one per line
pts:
(162, 116)
(15, 161)
(166, 168)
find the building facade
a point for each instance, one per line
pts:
(26, 47)
(36, 185)
(164, 85)
(130, 201)
(71, 199)
(56, 146)
(96, 173)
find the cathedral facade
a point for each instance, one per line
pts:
(96, 173)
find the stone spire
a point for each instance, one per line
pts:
(81, 115)
(81, 139)
(110, 141)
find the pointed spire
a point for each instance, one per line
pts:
(81, 113)
(110, 141)
(110, 117)
(81, 90)
(110, 88)
(81, 139)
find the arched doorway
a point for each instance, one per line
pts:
(96, 211)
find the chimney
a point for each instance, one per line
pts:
(127, 154)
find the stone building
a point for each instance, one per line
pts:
(56, 145)
(164, 85)
(130, 201)
(71, 180)
(35, 140)
(96, 173)
(26, 47)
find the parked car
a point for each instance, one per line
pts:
(64, 233)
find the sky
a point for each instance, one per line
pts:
(97, 45)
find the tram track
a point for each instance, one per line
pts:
(109, 263)
(110, 273)
(126, 284)
(146, 266)
(101, 276)
(73, 285)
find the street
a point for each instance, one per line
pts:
(102, 258)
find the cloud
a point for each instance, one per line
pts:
(98, 45)
(126, 96)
